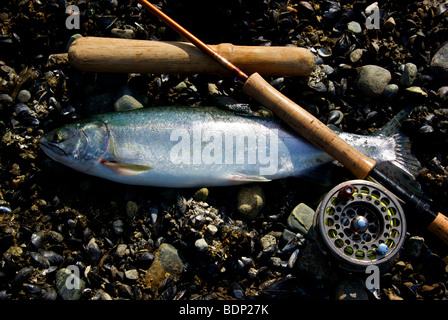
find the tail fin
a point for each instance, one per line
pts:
(405, 168)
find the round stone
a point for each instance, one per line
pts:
(354, 27)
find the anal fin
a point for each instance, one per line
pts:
(125, 169)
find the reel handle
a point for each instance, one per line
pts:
(440, 227)
(308, 126)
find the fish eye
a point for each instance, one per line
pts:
(60, 136)
(56, 137)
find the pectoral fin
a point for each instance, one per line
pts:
(125, 169)
(241, 177)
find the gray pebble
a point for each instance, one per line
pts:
(118, 227)
(275, 262)
(356, 55)
(5, 100)
(443, 92)
(94, 250)
(201, 194)
(213, 89)
(414, 247)
(121, 250)
(131, 274)
(391, 92)
(127, 102)
(125, 33)
(212, 229)
(354, 27)
(24, 96)
(439, 63)
(201, 245)
(301, 219)
(69, 285)
(131, 209)
(373, 80)
(250, 201)
(409, 74)
(268, 241)
(181, 86)
(167, 261)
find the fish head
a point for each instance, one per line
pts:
(79, 146)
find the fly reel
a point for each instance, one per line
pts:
(360, 223)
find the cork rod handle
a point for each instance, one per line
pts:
(129, 55)
(440, 227)
(308, 126)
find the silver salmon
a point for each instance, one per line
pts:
(205, 146)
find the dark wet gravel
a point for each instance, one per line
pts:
(52, 218)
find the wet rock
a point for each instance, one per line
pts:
(356, 55)
(237, 290)
(123, 33)
(409, 74)
(24, 96)
(443, 93)
(94, 250)
(414, 247)
(5, 100)
(313, 263)
(267, 242)
(14, 251)
(57, 60)
(122, 250)
(351, 289)
(354, 27)
(213, 89)
(201, 194)
(68, 284)
(127, 102)
(439, 63)
(391, 92)
(201, 245)
(131, 209)
(181, 86)
(167, 261)
(301, 219)
(250, 201)
(131, 274)
(212, 229)
(373, 80)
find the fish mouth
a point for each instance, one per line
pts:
(50, 148)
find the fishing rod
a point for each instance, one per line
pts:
(312, 129)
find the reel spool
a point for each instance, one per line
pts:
(360, 223)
